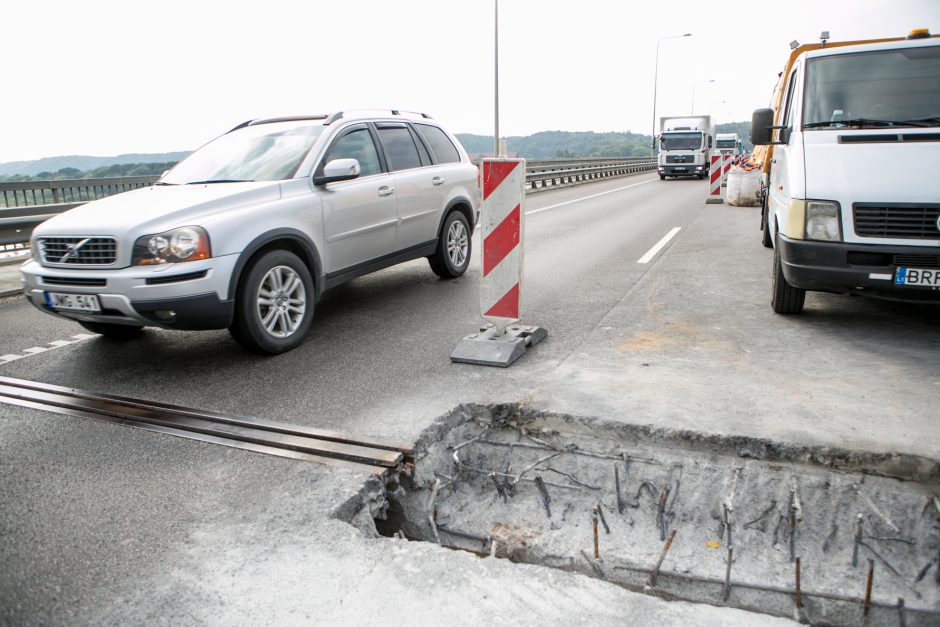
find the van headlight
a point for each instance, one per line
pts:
(188, 243)
(822, 221)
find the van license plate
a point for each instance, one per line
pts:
(922, 277)
(73, 302)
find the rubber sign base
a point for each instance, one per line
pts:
(490, 348)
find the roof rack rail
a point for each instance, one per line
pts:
(423, 115)
(290, 118)
(242, 125)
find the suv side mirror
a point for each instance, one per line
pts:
(338, 170)
(762, 122)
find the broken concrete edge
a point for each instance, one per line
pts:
(901, 466)
(371, 502)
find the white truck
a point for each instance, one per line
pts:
(684, 143)
(852, 199)
(727, 143)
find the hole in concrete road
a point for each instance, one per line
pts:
(528, 486)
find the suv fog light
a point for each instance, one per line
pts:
(822, 221)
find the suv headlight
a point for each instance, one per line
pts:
(822, 221)
(188, 243)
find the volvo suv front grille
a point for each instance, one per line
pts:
(96, 251)
(907, 221)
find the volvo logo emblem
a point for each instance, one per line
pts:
(71, 250)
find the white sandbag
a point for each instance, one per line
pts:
(743, 188)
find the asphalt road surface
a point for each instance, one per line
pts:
(106, 524)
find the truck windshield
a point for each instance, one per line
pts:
(266, 152)
(680, 141)
(873, 89)
(726, 143)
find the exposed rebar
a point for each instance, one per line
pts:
(617, 487)
(797, 598)
(543, 493)
(597, 554)
(858, 539)
(655, 574)
(600, 514)
(726, 591)
(434, 488)
(868, 585)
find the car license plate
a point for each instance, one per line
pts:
(921, 277)
(73, 302)
(680, 169)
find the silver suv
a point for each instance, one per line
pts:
(248, 231)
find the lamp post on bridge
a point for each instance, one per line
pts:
(656, 82)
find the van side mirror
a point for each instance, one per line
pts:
(338, 170)
(762, 121)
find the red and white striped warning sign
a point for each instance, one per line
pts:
(714, 177)
(502, 222)
(727, 160)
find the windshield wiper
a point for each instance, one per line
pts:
(862, 122)
(220, 181)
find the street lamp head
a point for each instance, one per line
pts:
(687, 35)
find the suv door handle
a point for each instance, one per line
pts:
(438, 180)
(385, 190)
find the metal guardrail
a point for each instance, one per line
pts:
(25, 204)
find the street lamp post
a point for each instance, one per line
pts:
(656, 81)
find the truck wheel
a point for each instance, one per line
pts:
(452, 256)
(117, 332)
(274, 305)
(765, 224)
(785, 299)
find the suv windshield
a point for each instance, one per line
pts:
(266, 152)
(681, 141)
(873, 89)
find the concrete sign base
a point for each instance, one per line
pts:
(489, 348)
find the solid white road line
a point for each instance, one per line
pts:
(570, 202)
(659, 246)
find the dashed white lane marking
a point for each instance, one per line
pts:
(35, 350)
(659, 246)
(570, 202)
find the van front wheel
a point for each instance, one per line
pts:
(785, 299)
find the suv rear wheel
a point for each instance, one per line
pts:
(274, 306)
(453, 247)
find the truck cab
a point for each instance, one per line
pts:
(727, 143)
(852, 198)
(683, 146)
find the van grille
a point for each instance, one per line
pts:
(905, 221)
(98, 251)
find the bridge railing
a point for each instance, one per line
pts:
(25, 204)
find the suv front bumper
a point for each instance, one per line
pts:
(190, 296)
(848, 268)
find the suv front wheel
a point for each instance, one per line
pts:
(274, 306)
(452, 256)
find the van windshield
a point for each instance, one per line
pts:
(681, 141)
(266, 152)
(873, 89)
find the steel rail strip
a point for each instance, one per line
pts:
(361, 458)
(288, 429)
(247, 446)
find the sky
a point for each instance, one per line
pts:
(103, 78)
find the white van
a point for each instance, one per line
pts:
(853, 187)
